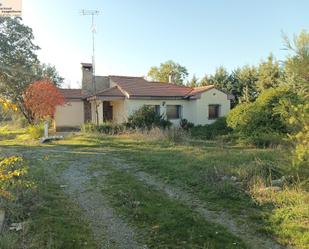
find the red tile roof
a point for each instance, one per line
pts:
(139, 87)
(111, 92)
(73, 93)
(201, 89)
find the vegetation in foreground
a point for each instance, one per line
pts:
(231, 178)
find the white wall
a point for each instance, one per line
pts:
(119, 114)
(212, 96)
(195, 111)
(70, 115)
(132, 105)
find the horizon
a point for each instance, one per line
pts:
(130, 38)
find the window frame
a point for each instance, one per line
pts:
(178, 110)
(217, 111)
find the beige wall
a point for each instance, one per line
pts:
(195, 111)
(70, 115)
(132, 105)
(209, 97)
(119, 114)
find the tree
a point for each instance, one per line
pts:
(41, 99)
(220, 79)
(297, 79)
(194, 82)
(243, 84)
(18, 59)
(19, 65)
(48, 71)
(169, 69)
(269, 74)
(206, 80)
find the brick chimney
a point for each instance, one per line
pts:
(87, 84)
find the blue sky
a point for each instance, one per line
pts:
(133, 35)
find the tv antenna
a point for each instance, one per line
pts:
(92, 13)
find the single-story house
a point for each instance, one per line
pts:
(117, 97)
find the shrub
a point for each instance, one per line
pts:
(261, 116)
(89, 128)
(105, 128)
(12, 173)
(211, 131)
(36, 131)
(146, 118)
(186, 125)
(111, 129)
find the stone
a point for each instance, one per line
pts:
(47, 139)
(233, 178)
(16, 227)
(278, 182)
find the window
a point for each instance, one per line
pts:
(173, 111)
(213, 111)
(156, 108)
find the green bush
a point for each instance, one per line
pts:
(147, 118)
(110, 128)
(105, 128)
(89, 128)
(211, 131)
(261, 116)
(36, 131)
(186, 125)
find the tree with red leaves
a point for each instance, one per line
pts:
(41, 99)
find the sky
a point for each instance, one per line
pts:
(133, 35)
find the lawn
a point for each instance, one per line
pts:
(225, 179)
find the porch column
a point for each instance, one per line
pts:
(100, 111)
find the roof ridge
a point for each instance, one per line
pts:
(173, 84)
(124, 76)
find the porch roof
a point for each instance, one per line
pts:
(112, 93)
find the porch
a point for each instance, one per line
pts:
(107, 111)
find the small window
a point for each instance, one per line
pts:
(173, 111)
(156, 108)
(213, 111)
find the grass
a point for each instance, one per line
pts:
(52, 220)
(165, 223)
(201, 167)
(205, 169)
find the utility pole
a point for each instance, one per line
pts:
(93, 13)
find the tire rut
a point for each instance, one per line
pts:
(107, 227)
(243, 231)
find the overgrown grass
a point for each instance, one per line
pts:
(222, 177)
(166, 223)
(52, 220)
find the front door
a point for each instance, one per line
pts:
(107, 111)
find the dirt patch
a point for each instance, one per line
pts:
(109, 230)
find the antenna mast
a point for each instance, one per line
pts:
(92, 13)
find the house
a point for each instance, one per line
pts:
(117, 97)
